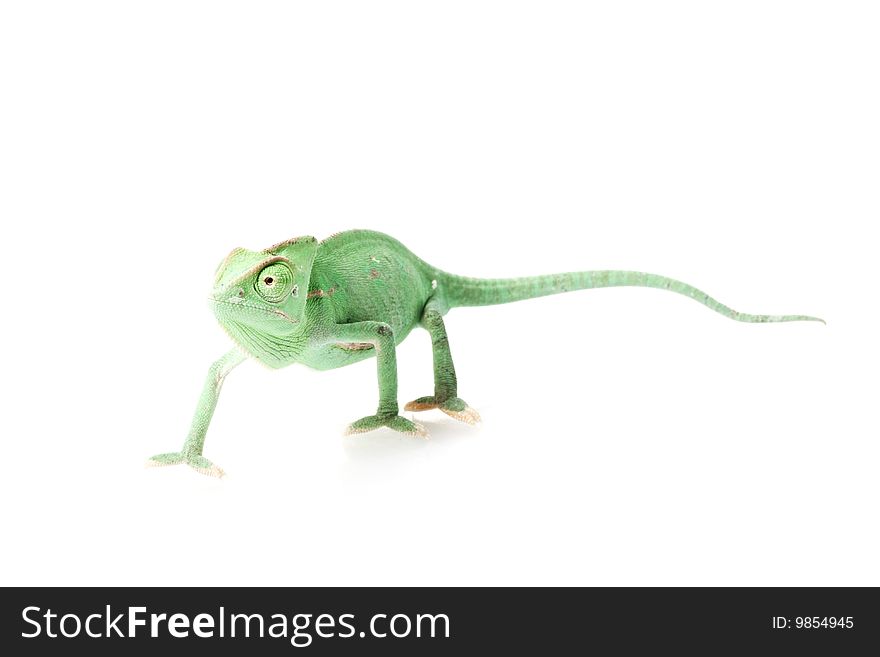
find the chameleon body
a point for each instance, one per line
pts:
(357, 295)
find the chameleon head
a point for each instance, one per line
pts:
(259, 297)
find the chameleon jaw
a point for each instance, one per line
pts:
(237, 303)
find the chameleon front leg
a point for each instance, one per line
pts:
(445, 395)
(191, 453)
(381, 336)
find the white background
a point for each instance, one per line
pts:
(630, 437)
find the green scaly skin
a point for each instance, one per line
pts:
(357, 295)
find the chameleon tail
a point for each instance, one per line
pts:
(462, 291)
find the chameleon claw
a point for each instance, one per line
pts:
(455, 408)
(395, 422)
(196, 462)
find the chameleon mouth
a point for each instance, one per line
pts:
(222, 306)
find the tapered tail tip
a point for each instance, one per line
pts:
(790, 318)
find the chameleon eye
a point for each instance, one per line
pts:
(275, 282)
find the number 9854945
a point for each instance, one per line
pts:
(825, 622)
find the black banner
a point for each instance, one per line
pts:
(439, 621)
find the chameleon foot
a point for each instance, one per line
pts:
(455, 408)
(195, 461)
(395, 422)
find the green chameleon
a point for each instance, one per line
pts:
(357, 295)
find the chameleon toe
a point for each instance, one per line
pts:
(467, 415)
(162, 460)
(422, 404)
(196, 462)
(454, 407)
(204, 466)
(395, 422)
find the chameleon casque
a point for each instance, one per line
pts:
(357, 295)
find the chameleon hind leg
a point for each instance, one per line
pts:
(445, 397)
(381, 336)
